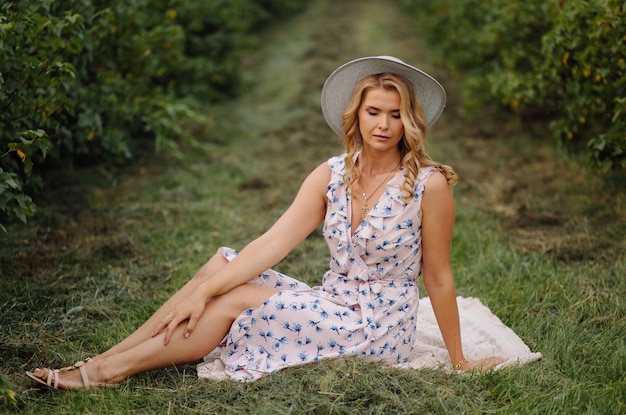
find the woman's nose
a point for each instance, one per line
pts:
(382, 123)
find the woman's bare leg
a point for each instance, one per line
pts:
(144, 332)
(152, 354)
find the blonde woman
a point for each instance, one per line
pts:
(388, 215)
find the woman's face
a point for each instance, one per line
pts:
(379, 119)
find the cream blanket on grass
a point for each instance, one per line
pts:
(482, 333)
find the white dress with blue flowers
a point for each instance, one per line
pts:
(367, 304)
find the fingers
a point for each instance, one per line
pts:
(190, 312)
(191, 324)
(485, 364)
(171, 327)
(489, 363)
(192, 317)
(169, 324)
(169, 331)
(162, 324)
(494, 361)
(158, 329)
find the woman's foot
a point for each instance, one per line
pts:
(81, 375)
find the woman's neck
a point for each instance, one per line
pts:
(371, 165)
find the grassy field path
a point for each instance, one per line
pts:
(538, 238)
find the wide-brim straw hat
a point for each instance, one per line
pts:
(339, 87)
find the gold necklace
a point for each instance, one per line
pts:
(365, 206)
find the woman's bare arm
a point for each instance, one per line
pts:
(437, 224)
(305, 213)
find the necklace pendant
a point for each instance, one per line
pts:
(364, 207)
(365, 201)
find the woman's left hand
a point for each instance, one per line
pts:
(480, 365)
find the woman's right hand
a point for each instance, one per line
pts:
(188, 310)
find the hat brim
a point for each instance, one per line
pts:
(339, 87)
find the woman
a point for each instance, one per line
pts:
(388, 215)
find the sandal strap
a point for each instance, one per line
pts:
(53, 378)
(83, 374)
(49, 378)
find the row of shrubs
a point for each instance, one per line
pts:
(85, 80)
(564, 61)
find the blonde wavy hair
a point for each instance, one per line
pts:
(412, 147)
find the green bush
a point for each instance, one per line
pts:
(84, 80)
(557, 59)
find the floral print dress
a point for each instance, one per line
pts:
(367, 304)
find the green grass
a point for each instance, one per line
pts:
(538, 238)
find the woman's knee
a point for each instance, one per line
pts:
(243, 297)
